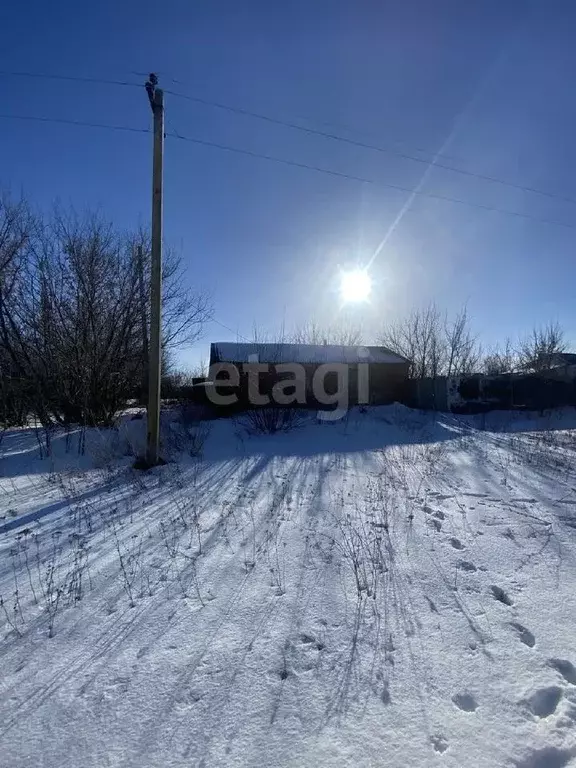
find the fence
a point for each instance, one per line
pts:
(474, 394)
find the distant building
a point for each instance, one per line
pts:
(382, 379)
(562, 365)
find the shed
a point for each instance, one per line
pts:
(372, 369)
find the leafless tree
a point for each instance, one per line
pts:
(177, 383)
(74, 322)
(433, 343)
(184, 310)
(17, 227)
(536, 352)
(418, 338)
(462, 349)
(500, 359)
(73, 313)
(344, 334)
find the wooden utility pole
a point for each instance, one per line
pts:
(143, 320)
(156, 97)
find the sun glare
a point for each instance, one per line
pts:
(355, 286)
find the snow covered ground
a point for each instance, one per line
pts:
(391, 590)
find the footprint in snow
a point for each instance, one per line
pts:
(381, 688)
(116, 687)
(524, 634)
(547, 757)
(304, 652)
(439, 743)
(465, 701)
(499, 594)
(436, 513)
(311, 641)
(456, 543)
(187, 699)
(465, 565)
(543, 702)
(566, 669)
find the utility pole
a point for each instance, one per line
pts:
(156, 97)
(143, 320)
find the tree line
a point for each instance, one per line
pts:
(440, 345)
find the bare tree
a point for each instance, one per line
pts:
(16, 230)
(72, 312)
(500, 359)
(184, 310)
(536, 352)
(462, 349)
(418, 337)
(79, 319)
(343, 334)
(433, 343)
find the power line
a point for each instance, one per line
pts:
(80, 123)
(296, 164)
(80, 79)
(310, 131)
(398, 187)
(272, 158)
(236, 333)
(365, 145)
(73, 78)
(307, 119)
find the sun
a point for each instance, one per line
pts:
(355, 286)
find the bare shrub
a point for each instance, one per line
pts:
(44, 433)
(188, 513)
(75, 581)
(51, 580)
(270, 420)
(185, 430)
(171, 530)
(129, 552)
(107, 446)
(8, 616)
(24, 540)
(16, 605)
(361, 543)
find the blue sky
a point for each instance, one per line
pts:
(488, 84)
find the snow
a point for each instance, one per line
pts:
(235, 352)
(396, 589)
